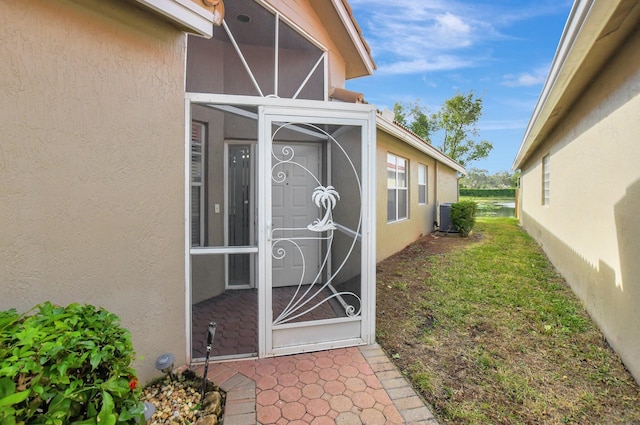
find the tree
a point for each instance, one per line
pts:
(481, 179)
(457, 120)
(415, 117)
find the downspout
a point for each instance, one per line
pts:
(436, 202)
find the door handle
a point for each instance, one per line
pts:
(269, 228)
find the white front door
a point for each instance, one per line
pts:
(292, 212)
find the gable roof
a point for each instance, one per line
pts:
(194, 17)
(347, 35)
(593, 32)
(393, 128)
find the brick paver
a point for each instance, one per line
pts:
(350, 386)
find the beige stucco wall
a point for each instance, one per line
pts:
(447, 182)
(591, 230)
(441, 187)
(92, 165)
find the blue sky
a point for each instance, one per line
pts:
(432, 49)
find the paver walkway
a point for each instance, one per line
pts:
(347, 386)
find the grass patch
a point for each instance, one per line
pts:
(488, 332)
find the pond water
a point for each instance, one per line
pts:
(496, 209)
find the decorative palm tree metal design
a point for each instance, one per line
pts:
(324, 197)
(307, 298)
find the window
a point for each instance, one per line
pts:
(397, 194)
(545, 179)
(197, 183)
(422, 184)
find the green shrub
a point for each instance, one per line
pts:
(463, 216)
(67, 365)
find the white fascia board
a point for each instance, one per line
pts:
(345, 17)
(584, 25)
(417, 143)
(185, 12)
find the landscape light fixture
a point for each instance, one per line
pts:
(211, 333)
(149, 410)
(164, 363)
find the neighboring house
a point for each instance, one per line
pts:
(580, 185)
(232, 189)
(418, 179)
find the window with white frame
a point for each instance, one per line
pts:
(546, 177)
(198, 133)
(397, 193)
(422, 184)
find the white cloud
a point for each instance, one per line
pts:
(532, 78)
(453, 29)
(409, 36)
(420, 65)
(428, 82)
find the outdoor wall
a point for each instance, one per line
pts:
(347, 212)
(590, 230)
(393, 237)
(208, 271)
(92, 165)
(447, 182)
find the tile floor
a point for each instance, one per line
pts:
(236, 315)
(347, 386)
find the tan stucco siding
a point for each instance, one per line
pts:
(590, 229)
(92, 165)
(447, 185)
(393, 237)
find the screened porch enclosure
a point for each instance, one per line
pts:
(261, 57)
(278, 205)
(279, 186)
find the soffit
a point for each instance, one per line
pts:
(187, 15)
(347, 36)
(591, 37)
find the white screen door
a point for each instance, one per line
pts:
(316, 255)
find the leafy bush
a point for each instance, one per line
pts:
(463, 216)
(63, 365)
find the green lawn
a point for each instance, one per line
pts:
(491, 334)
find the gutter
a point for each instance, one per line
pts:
(417, 143)
(578, 54)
